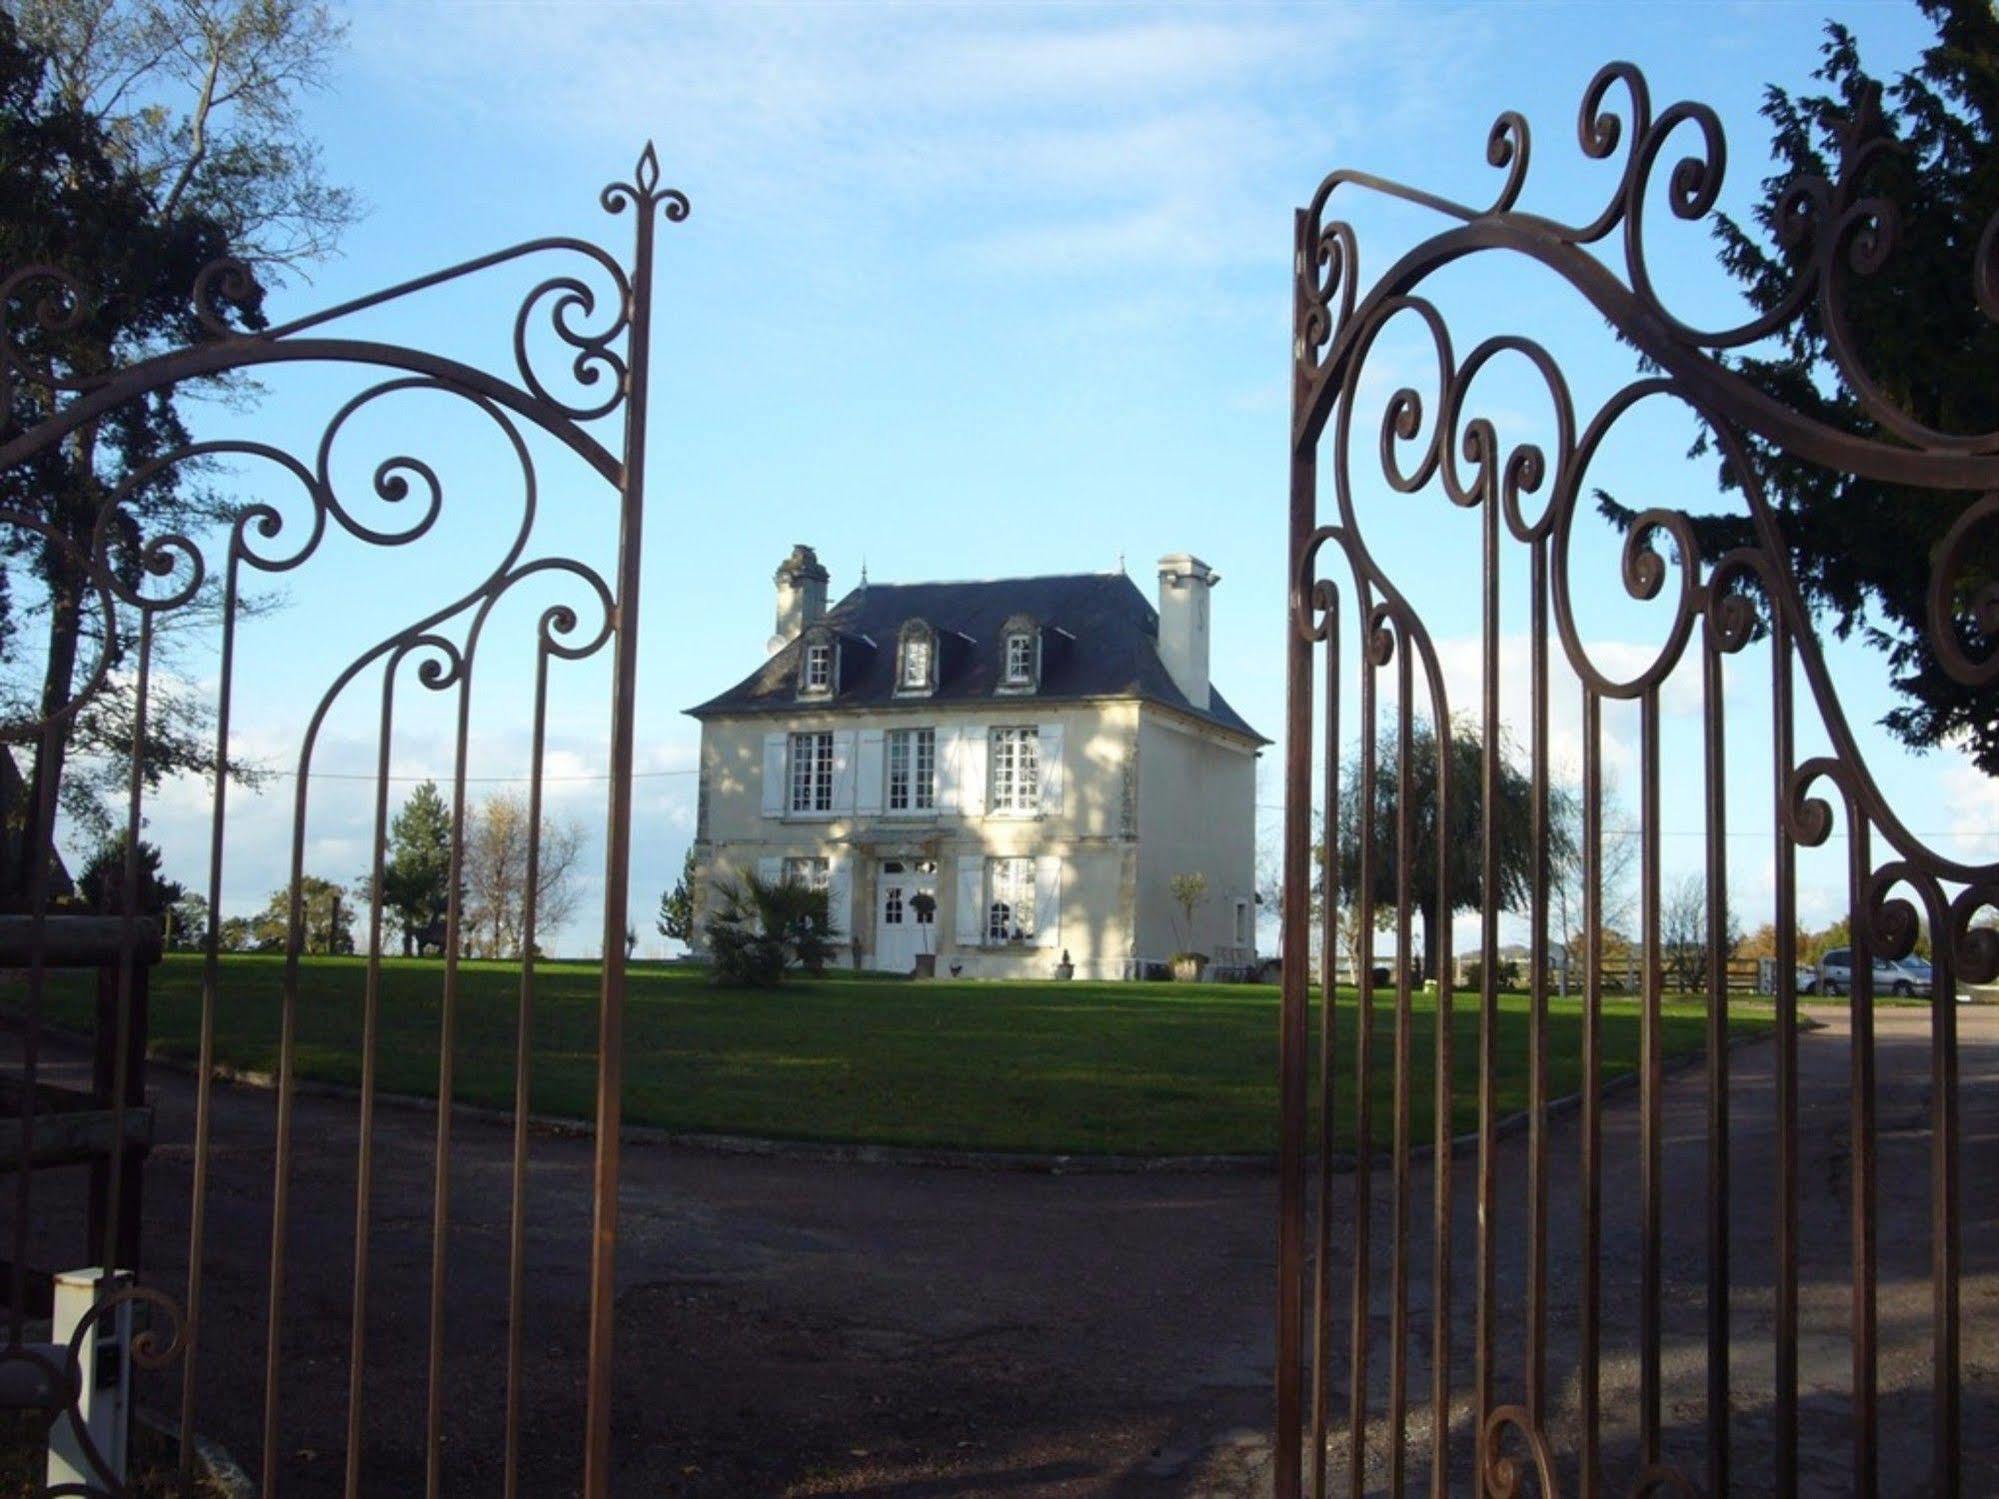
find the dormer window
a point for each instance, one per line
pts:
(1020, 655)
(819, 665)
(916, 664)
(1019, 659)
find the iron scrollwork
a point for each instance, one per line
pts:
(592, 309)
(1836, 231)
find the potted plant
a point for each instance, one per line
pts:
(924, 904)
(1065, 969)
(1189, 891)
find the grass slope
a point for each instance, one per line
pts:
(1153, 1069)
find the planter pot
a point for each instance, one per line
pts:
(926, 965)
(1189, 970)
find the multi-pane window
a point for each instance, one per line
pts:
(812, 873)
(1010, 904)
(1015, 758)
(819, 667)
(916, 661)
(812, 772)
(912, 770)
(1019, 658)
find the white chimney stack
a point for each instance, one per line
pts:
(1184, 584)
(801, 595)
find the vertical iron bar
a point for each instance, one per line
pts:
(447, 1062)
(40, 835)
(1537, 1015)
(1651, 1082)
(1329, 984)
(617, 876)
(1946, 1463)
(1590, 1322)
(364, 1172)
(1488, 985)
(523, 1084)
(1398, 1276)
(1866, 1451)
(128, 911)
(1714, 705)
(287, 1058)
(1786, 1239)
(1363, 1097)
(1442, 1097)
(204, 1082)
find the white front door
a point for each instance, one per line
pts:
(901, 929)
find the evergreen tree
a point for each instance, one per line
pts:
(676, 906)
(102, 883)
(1861, 548)
(416, 880)
(143, 139)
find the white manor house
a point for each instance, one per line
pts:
(1040, 755)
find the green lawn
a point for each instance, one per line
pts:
(1088, 1068)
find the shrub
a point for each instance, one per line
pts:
(1506, 975)
(762, 927)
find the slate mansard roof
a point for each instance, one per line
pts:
(1100, 639)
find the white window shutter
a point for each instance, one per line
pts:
(774, 748)
(972, 770)
(868, 773)
(840, 895)
(1049, 759)
(971, 918)
(1047, 900)
(843, 771)
(770, 869)
(947, 770)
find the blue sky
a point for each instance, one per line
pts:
(967, 291)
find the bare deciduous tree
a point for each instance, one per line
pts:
(496, 875)
(201, 97)
(1569, 871)
(1683, 933)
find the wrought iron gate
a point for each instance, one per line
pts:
(1496, 1413)
(592, 309)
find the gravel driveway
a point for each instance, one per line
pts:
(803, 1327)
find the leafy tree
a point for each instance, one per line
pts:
(187, 923)
(1861, 548)
(1462, 838)
(101, 885)
(1189, 891)
(676, 906)
(327, 920)
(143, 140)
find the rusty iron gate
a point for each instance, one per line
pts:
(1476, 1387)
(576, 381)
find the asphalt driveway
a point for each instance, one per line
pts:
(805, 1327)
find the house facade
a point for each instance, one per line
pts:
(1040, 756)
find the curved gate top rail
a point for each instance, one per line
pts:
(594, 311)
(1500, 1423)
